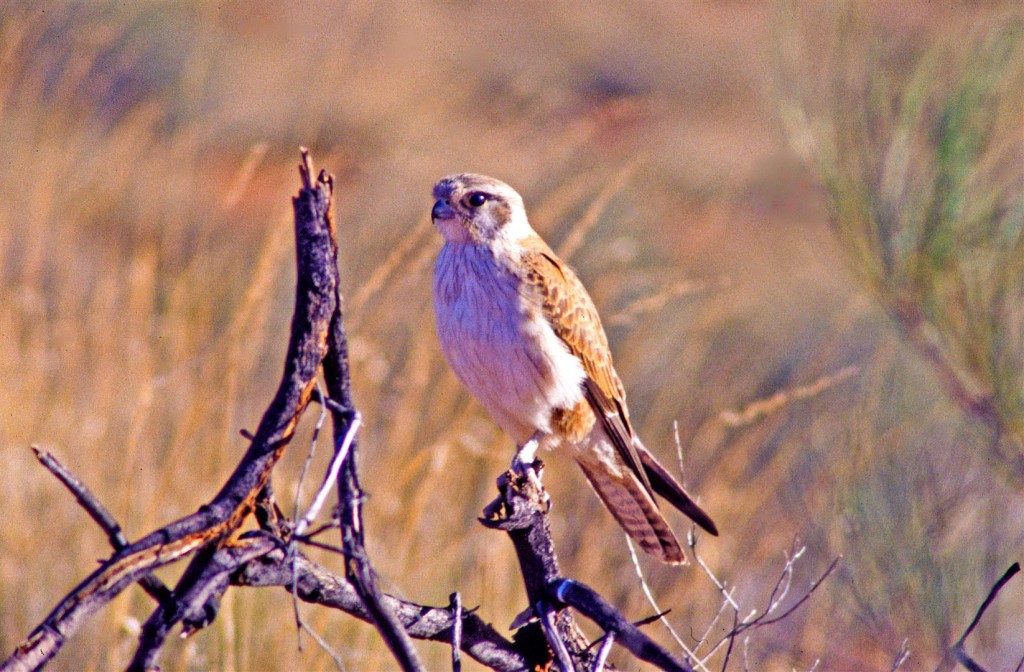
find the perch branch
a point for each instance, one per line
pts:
(589, 603)
(521, 511)
(314, 584)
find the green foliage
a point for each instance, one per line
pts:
(918, 145)
(922, 167)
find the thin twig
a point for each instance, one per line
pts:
(901, 656)
(602, 653)
(1007, 575)
(85, 497)
(958, 650)
(650, 600)
(705, 637)
(321, 418)
(546, 615)
(317, 531)
(785, 581)
(153, 586)
(760, 619)
(711, 575)
(455, 601)
(299, 624)
(333, 548)
(325, 645)
(642, 622)
(331, 477)
(796, 605)
(732, 640)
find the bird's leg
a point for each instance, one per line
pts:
(527, 453)
(524, 461)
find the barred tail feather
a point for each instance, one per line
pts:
(632, 506)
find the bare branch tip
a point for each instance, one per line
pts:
(306, 168)
(327, 179)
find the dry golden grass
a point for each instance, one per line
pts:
(148, 155)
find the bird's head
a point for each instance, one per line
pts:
(478, 209)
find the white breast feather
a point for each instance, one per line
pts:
(516, 366)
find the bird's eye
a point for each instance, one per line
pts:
(476, 199)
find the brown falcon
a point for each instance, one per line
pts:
(523, 335)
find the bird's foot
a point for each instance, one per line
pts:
(525, 459)
(526, 455)
(531, 472)
(525, 465)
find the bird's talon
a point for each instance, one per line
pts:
(532, 474)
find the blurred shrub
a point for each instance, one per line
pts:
(920, 155)
(918, 144)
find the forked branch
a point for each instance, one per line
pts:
(216, 521)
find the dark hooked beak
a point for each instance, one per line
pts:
(442, 211)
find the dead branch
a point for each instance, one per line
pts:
(102, 516)
(260, 561)
(958, 652)
(316, 585)
(589, 603)
(314, 307)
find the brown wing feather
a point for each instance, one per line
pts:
(668, 487)
(573, 316)
(577, 323)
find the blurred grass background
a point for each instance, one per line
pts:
(802, 224)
